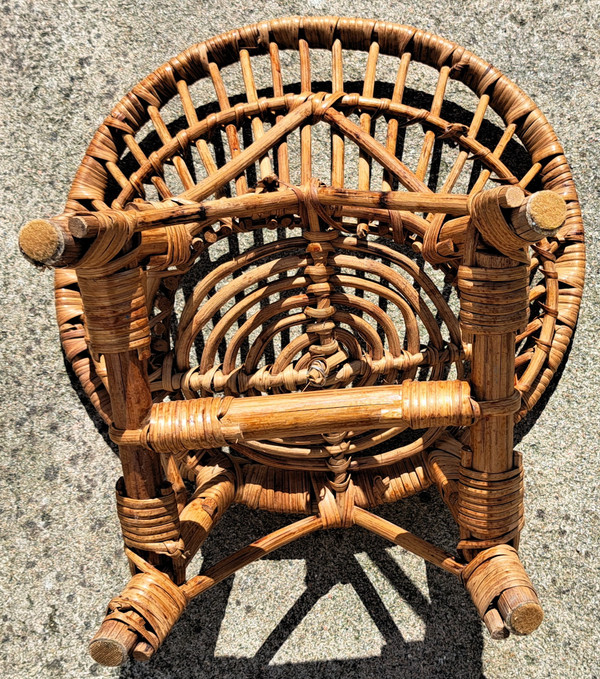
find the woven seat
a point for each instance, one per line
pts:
(315, 293)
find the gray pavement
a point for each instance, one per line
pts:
(336, 604)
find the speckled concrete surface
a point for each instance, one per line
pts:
(340, 603)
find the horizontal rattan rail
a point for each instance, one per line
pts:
(314, 299)
(179, 426)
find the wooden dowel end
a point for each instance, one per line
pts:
(143, 651)
(80, 228)
(521, 610)
(539, 216)
(510, 196)
(113, 643)
(495, 578)
(42, 241)
(496, 627)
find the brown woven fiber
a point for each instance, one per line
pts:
(315, 298)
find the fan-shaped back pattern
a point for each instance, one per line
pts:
(116, 171)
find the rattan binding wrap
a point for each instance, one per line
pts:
(347, 337)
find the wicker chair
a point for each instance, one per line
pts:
(357, 259)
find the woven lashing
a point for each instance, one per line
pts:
(274, 490)
(490, 505)
(179, 426)
(487, 215)
(178, 243)
(493, 300)
(150, 605)
(335, 501)
(424, 406)
(114, 231)
(263, 380)
(497, 572)
(277, 490)
(115, 312)
(151, 524)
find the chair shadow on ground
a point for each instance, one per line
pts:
(449, 641)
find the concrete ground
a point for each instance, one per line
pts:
(337, 604)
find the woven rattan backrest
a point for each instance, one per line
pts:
(187, 154)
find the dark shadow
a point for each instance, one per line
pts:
(452, 641)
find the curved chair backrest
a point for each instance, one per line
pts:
(391, 129)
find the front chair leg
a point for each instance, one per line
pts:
(138, 620)
(117, 327)
(494, 306)
(151, 603)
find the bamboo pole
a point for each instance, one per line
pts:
(265, 545)
(491, 443)
(208, 422)
(412, 543)
(57, 242)
(247, 205)
(143, 475)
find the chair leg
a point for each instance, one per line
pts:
(132, 626)
(502, 592)
(117, 327)
(494, 303)
(141, 617)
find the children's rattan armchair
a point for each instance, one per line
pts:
(314, 298)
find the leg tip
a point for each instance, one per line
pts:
(525, 618)
(108, 652)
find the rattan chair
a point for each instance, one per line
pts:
(314, 298)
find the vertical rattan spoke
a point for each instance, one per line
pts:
(436, 107)
(376, 150)
(141, 159)
(337, 139)
(364, 159)
(256, 122)
(258, 149)
(191, 116)
(231, 131)
(281, 148)
(496, 153)
(392, 130)
(305, 128)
